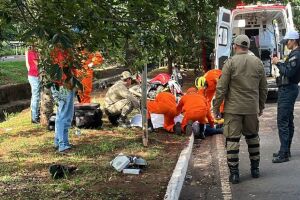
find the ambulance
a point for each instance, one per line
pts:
(264, 24)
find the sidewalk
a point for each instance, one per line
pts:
(277, 181)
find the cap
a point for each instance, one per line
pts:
(242, 40)
(291, 35)
(125, 75)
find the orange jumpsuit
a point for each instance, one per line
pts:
(194, 106)
(211, 78)
(86, 75)
(165, 104)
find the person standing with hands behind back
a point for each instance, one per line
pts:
(287, 94)
(32, 58)
(243, 85)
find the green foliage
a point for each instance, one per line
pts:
(131, 33)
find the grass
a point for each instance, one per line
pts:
(12, 72)
(26, 152)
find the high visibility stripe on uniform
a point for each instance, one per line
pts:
(253, 145)
(233, 151)
(251, 136)
(233, 139)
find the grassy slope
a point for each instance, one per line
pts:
(12, 72)
(26, 152)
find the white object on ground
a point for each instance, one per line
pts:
(157, 120)
(131, 171)
(120, 162)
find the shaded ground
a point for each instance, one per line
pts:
(203, 178)
(26, 152)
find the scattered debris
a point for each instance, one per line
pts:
(60, 171)
(128, 164)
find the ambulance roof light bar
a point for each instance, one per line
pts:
(241, 4)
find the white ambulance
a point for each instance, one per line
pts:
(264, 24)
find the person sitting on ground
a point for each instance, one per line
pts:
(164, 103)
(119, 102)
(194, 107)
(202, 131)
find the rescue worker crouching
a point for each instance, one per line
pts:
(243, 85)
(287, 94)
(195, 107)
(164, 103)
(119, 102)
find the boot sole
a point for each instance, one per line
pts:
(177, 128)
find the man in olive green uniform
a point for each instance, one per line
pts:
(243, 86)
(119, 102)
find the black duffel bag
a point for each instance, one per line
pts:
(87, 115)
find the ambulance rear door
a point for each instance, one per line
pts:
(223, 37)
(289, 13)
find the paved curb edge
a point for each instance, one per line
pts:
(223, 169)
(178, 176)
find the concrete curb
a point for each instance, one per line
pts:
(178, 176)
(223, 169)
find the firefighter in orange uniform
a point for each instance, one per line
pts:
(165, 104)
(194, 107)
(209, 83)
(86, 74)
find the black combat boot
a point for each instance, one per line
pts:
(234, 177)
(177, 128)
(255, 168)
(123, 122)
(277, 154)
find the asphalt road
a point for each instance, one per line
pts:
(277, 181)
(13, 58)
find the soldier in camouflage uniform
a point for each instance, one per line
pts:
(119, 102)
(243, 86)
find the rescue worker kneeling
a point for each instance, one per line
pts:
(164, 103)
(119, 102)
(194, 106)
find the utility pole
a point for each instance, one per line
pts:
(144, 106)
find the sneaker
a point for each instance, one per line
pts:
(177, 128)
(35, 121)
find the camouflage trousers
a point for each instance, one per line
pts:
(122, 107)
(234, 127)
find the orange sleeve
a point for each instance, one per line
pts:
(180, 105)
(210, 119)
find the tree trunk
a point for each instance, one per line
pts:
(47, 105)
(170, 61)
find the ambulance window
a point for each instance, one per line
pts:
(226, 17)
(223, 36)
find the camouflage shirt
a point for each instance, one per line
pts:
(119, 92)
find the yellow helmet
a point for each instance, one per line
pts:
(200, 82)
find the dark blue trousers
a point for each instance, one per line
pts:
(287, 96)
